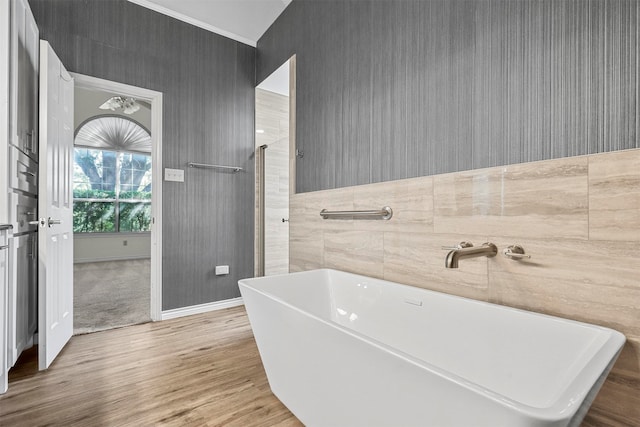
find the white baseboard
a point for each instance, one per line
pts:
(113, 258)
(201, 308)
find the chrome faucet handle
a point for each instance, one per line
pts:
(458, 246)
(515, 252)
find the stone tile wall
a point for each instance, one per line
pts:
(578, 218)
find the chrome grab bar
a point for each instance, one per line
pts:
(207, 166)
(384, 213)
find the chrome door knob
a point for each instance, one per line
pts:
(51, 221)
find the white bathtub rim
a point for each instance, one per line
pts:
(446, 375)
(558, 410)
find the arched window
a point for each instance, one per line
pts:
(111, 176)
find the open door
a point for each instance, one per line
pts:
(55, 208)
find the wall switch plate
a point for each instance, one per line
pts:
(222, 269)
(176, 175)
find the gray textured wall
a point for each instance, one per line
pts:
(396, 89)
(207, 83)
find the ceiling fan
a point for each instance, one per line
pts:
(128, 105)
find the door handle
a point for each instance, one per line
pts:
(51, 222)
(32, 246)
(27, 215)
(285, 220)
(30, 138)
(28, 143)
(42, 222)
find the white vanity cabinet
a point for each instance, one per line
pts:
(24, 78)
(5, 261)
(25, 265)
(19, 44)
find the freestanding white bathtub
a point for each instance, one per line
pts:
(346, 350)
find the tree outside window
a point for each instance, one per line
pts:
(111, 186)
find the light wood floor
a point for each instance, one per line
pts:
(201, 370)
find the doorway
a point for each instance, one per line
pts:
(274, 139)
(117, 205)
(55, 295)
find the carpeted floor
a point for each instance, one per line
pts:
(111, 294)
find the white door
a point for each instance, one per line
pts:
(55, 208)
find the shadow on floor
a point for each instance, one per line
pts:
(26, 365)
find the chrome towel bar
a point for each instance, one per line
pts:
(206, 166)
(384, 213)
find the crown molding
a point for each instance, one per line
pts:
(195, 22)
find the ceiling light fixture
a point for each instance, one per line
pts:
(127, 104)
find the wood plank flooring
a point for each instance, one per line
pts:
(201, 370)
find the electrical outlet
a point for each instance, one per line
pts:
(125, 243)
(176, 175)
(222, 269)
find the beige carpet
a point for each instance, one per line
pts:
(111, 294)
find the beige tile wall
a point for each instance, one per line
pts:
(578, 218)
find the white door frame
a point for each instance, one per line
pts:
(259, 191)
(155, 98)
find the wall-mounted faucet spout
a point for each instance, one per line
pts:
(486, 249)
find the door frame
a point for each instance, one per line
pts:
(259, 158)
(155, 99)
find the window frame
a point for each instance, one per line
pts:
(116, 201)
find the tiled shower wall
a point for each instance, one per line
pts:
(578, 218)
(272, 117)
